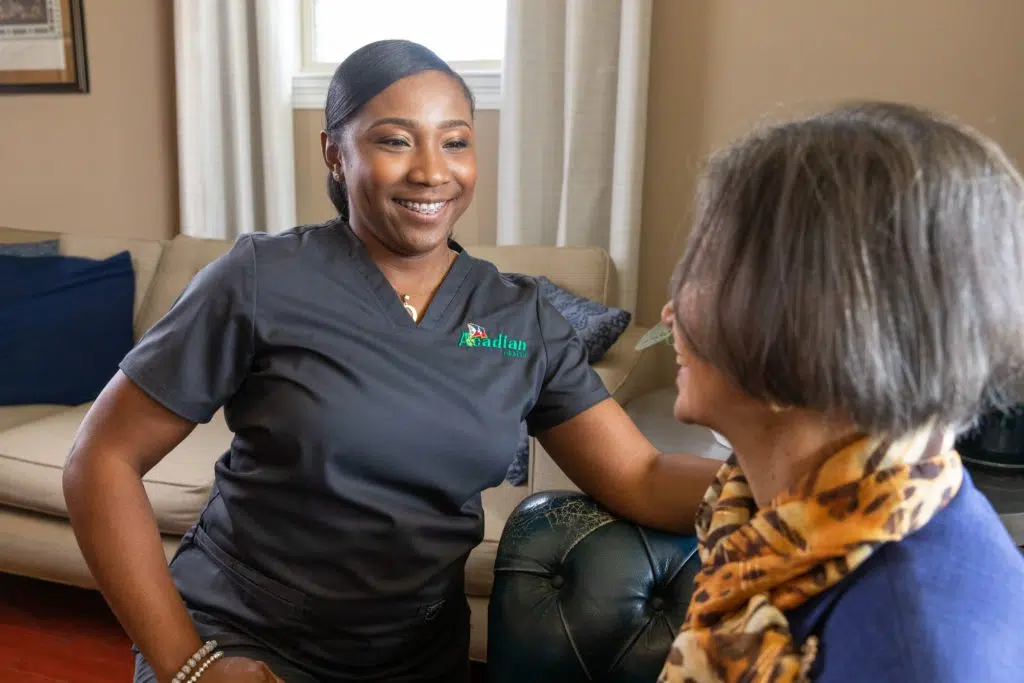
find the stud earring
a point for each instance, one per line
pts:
(337, 174)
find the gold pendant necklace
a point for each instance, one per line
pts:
(409, 308)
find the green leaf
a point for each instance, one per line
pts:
(656, 335)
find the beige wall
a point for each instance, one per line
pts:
(104, 162)
(718, 66)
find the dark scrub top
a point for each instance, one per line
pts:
(362, 440)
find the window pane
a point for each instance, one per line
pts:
(457, 30)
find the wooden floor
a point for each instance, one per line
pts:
(57, 634)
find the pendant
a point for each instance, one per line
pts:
(410, 309)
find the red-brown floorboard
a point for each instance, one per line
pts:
(51, 633)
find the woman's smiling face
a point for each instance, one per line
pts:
(705, 396)
(409, 162)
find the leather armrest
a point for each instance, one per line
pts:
(582, 595)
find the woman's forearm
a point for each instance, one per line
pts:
(672, 489)
(117, 532)
(606, 455)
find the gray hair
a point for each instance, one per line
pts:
(867, 261)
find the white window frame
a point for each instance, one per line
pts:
(309, 85)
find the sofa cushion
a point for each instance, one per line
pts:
(12, 416)
(598, 326)
(66, 323)
(32, 458)
(145, 253)
(498, 503)
(44, 248)
(182, 258)
(17, 235)
(145, 260)
(480, 570)
(44, 547)
(584, 271)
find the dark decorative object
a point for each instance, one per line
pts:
(997, 441)
(42, 47)
(993, 452)
(599, 326)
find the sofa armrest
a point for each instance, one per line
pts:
(626, 373)
(629, 373)
(582, 595)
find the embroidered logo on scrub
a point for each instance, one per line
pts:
(475, 336)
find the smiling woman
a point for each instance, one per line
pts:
(375, 376)
(398, 145)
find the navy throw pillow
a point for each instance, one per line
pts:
(44, 248)
(65, 324)
(598, 327)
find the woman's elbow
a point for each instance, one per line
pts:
(82, 473)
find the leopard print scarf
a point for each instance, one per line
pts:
(758, 564)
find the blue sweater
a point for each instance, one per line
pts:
(944, 605)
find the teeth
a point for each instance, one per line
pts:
(428, 209)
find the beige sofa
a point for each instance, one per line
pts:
(35, 538)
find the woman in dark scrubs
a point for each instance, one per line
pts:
(374, 375)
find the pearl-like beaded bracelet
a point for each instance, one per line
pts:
(198, 673)
(195, 660)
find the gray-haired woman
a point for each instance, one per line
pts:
(852, 296)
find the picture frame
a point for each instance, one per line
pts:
(42, 47)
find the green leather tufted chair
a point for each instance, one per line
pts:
(583, 596)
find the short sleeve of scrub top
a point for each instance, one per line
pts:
(195, 357)
(570, 384)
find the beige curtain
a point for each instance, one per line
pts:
(573, 118)
(234, 61)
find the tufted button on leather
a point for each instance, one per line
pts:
(644, 578)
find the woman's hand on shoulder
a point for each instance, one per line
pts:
(239, 670)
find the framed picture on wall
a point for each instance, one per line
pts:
(42, 47)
